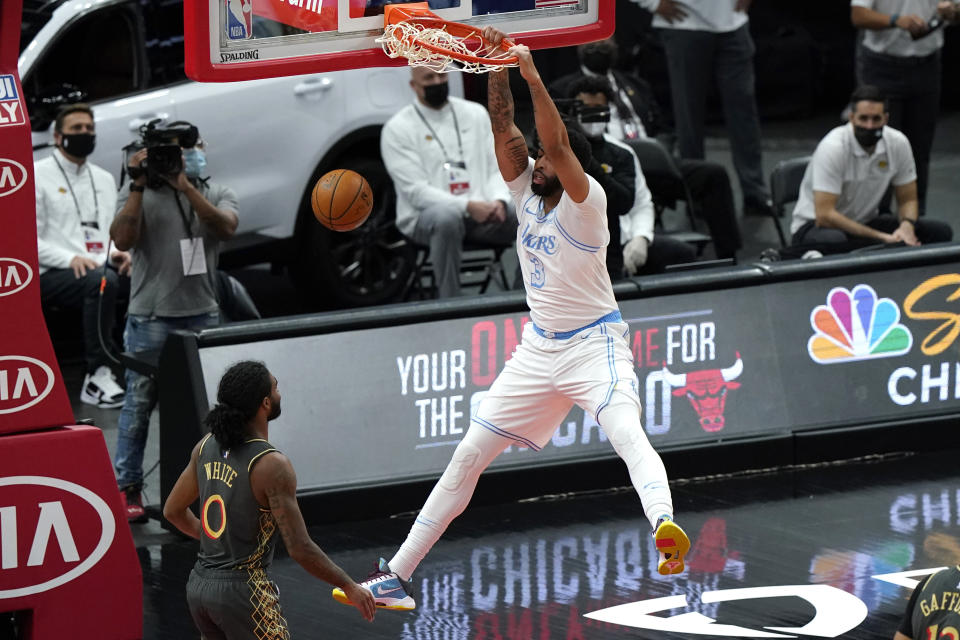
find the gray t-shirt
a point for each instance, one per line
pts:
(158, 286)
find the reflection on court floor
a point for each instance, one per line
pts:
(823, 552)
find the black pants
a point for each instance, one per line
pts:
(912, 88)
(665, 251)
(59, 287)
(712, 195)
(836, 241)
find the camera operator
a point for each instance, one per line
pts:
(174, 220)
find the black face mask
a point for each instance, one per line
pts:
(598, 58)
(78, 144)
(435, 95)
(867, 137)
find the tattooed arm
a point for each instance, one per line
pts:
(511, 148)
(274, 482)
(550, 127)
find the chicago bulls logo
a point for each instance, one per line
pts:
(707, 391)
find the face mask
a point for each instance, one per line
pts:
(594, 129)
(78, 144)
(194, 162)
(598, 58)
(435, 95)
(867, 137)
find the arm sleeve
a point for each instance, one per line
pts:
(828, 168)
(226, 200)
(862, 3)
(588, 224)
(108, 192)
(639, 220)
(402, 159)
(48, 254)
(906, 164)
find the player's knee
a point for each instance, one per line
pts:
(464, 464)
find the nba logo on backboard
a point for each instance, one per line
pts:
(239, 22)
(11, 110)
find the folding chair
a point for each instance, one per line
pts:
(480, 266)
(785, 182)
(667, 187)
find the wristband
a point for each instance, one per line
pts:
(136, 187)
(912, 222)
(893, 19)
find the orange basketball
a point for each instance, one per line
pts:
(342, 200)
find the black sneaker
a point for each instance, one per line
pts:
(755, 207)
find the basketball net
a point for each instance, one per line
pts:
(425, 40)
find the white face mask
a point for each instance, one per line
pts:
(594, 129)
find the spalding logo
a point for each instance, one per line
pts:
(15, 275)
(23, 382)
(52, 528)
(12, 176)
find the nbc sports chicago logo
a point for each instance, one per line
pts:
(857, 325)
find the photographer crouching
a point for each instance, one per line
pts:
(173, 220)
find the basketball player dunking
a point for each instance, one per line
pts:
(575, 350)
(234, 471)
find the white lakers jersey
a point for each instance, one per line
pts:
(563, 256)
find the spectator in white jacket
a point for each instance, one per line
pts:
(439, 153)
(75, 204)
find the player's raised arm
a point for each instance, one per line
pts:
(551, 130)
(511, 148)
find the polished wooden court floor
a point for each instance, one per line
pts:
(782, 553)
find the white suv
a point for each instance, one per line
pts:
(267, 139)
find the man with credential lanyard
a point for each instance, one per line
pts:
(75, 203)
(439, 153)
(173, 223)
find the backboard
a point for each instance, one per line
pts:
(229, 40)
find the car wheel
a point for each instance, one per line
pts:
(368, 266)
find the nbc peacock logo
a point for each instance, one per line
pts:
(857, 325)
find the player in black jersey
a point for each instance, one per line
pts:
(934, 608)
(247, 492)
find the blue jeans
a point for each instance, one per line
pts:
(143, 333)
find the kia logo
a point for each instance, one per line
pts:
(12, 176)
(23, 382)
(15, 275)
(51, 529)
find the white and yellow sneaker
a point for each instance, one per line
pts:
(673, 544)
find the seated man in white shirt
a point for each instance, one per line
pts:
(851, 169)
(439, 153)
(75, 204)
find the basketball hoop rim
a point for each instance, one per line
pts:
(419, 14)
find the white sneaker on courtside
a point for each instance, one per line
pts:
(388, 589)
(100, 389)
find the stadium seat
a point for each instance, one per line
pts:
(785, 182)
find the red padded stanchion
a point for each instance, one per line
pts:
(66, 552)
(67, 560)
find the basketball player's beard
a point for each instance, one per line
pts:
(550, 186)
(274, 412)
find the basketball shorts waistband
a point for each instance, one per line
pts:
(613, 316)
